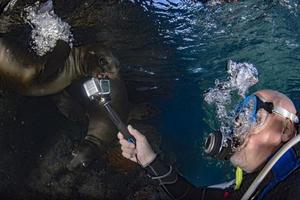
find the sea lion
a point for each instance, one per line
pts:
(31, 75)
(23, 69)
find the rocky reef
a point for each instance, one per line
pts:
(35, 146)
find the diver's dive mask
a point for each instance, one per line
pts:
(248, 114)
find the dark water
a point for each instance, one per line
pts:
(171, 52)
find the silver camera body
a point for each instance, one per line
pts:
(97, 88)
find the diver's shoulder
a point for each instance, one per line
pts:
(289, 189)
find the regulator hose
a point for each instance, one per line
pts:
(269, 166)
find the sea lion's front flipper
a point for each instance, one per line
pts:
(101, 133)
(69, 107)
(89, 150)
(55, 61)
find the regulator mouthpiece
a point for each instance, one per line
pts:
(218, 146)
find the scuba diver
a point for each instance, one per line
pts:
(264, 143)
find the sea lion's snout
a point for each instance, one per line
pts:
(109, 65)
(106, 66)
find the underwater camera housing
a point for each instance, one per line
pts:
(97, 88)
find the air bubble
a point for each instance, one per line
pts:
(241, 77)
(47, 27)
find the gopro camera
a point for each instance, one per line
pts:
(97, 87)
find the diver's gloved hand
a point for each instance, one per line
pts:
(140, 153)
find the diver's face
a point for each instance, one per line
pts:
(101, 63)
(258, 143)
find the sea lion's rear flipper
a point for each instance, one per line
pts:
(55, 61)
(69, 107)
(143, 111)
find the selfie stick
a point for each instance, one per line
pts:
(100, 90)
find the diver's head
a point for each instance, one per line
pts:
(100, 62)
(264, 121)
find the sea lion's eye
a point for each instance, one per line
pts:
(102, 61)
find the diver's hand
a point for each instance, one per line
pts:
(140, 153)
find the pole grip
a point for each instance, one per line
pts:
(118, 122)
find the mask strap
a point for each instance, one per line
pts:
(286, 114)
(297, 124)
(269, 107)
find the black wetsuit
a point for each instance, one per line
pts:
(177, 187)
